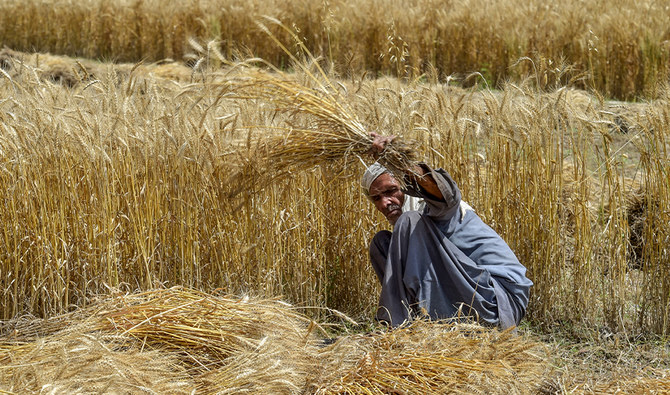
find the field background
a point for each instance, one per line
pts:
(126, 166)
(618, 48)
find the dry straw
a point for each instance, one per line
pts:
(436, 357)
(177, 340)
(181, 340)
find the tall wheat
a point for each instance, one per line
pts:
(124, 181)
(618, 48)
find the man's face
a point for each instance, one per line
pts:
(387, 196)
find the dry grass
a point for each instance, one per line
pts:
(183, 341)
(177, 340)
(596, 361)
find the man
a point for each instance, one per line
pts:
(443, 261)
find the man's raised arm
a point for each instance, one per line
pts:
(417, 175)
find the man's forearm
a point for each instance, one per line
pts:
(426, 181)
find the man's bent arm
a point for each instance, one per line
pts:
(438, 190)
(426, 181)
(436, 187)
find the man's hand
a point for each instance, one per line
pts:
(379, 144)
(425, 180)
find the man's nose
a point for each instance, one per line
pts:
(388, 200)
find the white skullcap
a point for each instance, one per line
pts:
(371, 173)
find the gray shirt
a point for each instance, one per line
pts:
(441, 258)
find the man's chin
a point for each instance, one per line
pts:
(393, 216)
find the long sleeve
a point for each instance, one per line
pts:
(439, 210)
(474, 238)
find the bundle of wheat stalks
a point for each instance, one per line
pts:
(179, 340)
(434, 357)
(184, 341)
(321, 129)
(70, 72)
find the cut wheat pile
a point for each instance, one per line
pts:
(178, 340)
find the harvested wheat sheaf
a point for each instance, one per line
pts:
(70, 72)
(176, 340)
(434, 357)
(184, 341)
(322, 130)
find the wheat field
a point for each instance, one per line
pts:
(194, 151)
(137, 180)
(619, 48)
